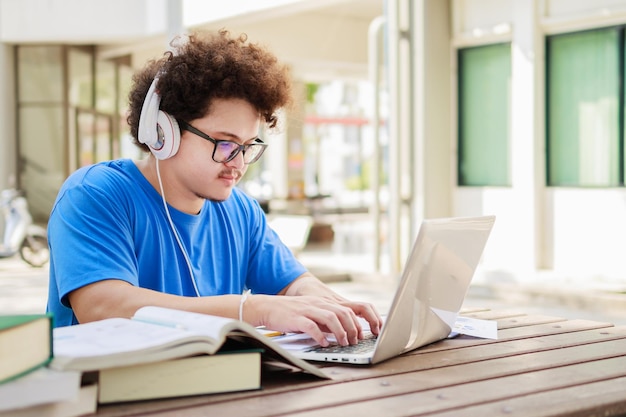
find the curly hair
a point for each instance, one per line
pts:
(208, 66)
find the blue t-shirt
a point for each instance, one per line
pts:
(108, 222)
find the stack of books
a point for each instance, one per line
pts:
(158, 353)
(161, 353)
(27, 386)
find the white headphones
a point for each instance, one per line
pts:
(157, 129)
(160, 132)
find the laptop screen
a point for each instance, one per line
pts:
(434, 283)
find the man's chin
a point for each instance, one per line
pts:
(217, 198)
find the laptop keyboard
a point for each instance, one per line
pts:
(365, 345)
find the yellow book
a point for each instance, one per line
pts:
(25, 344)
(196, 375)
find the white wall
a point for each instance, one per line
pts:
(567, 231)
(80, 21)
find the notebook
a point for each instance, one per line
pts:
(429, 296)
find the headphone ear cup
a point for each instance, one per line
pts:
(168, 137)
(157, 129)
(146, 131)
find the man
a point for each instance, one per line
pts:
(171, 229)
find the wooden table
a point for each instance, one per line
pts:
(539, 366)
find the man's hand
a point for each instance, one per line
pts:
(309, 306)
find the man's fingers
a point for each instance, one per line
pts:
(333, 319)
(369, 314)
(310, 327)
(318, 317)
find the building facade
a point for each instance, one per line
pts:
(505, 107)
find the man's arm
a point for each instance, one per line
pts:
(117, 298)
(307, 306)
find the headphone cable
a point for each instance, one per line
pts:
(169, 218)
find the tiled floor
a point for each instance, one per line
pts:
(23, 289)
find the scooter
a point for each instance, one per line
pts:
(18, 233)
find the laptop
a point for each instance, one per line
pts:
(428, 299)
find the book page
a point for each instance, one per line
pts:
(110, 336)
(212, 326)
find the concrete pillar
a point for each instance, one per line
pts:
(527, 167)
(434, 133)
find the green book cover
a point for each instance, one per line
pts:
(25, 344)
(12, 320)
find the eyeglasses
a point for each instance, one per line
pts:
(227, 150)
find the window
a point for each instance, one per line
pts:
(40, 125)
(66, 116)
(80, 77)
(585, 108)
(40, 81)
(484, 108)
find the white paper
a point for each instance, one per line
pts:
(485, 329)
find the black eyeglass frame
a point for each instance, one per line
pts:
(240, 148)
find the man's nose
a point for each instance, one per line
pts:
(236, 162)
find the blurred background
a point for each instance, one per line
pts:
(406, 109)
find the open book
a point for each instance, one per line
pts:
(157, 334)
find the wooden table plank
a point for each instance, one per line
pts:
(358, 391)
(525, 344)
(468, 310)
(473, 353)
(603, 398)
(495, 314)
(522, 321)
(453, 400)
(531, 329)
(433, 380)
